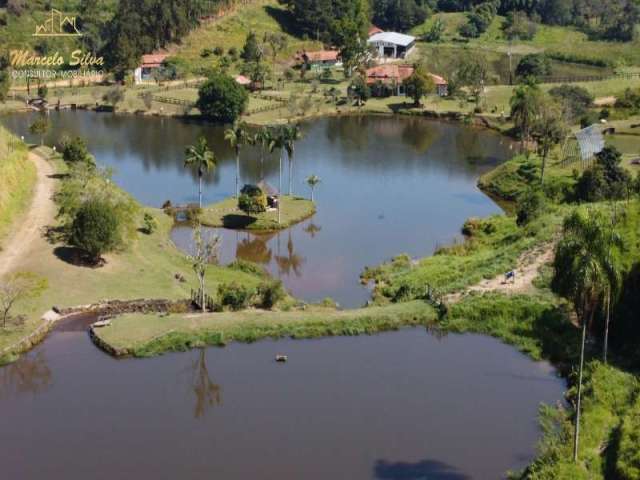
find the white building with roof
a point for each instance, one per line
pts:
(392, 44)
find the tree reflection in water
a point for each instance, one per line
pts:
(254, 248)
(208, 394)
(29, 374)
(292, 261)
(312, 229)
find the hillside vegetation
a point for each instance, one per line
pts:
(17, 180)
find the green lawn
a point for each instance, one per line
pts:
(144, 335)
(17, 181)
(555, 40)
(227, 214)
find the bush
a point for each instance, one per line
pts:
(270, 293)
(248, 267)
(533, 65)
(218, 51)
(252, 200)
(234, 295)
(192, 212)
(630, 99)
(628, 462)
(221, 99)
(95, 229)
(75, 150)
(588, 119)
(530, 206)
(149, 224)
(577, 100)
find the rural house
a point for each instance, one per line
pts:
(148, 65)
(386, 80)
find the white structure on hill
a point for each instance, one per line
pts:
(392, 44)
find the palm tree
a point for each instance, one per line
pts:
(237, 136)
(313, 181)
(262, 139)
(291, 135)
(277, 142)
(524, 109)
(199, 156)
(583, 273)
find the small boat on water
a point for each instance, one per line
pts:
(281, 358)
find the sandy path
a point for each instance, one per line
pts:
(526, 271)
(32, 226)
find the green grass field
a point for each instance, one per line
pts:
(144, 335)
(17, 181)
(227, 214)
(550, 39)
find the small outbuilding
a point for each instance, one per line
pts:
(319, 59)
(392, 44)
(148, 65)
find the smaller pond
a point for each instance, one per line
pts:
(404, 405)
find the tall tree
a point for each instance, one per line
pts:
(582, 273)
(313, 181)
(525, 106)
(419, 84)
(292, 134)
(549, 130)
(277, 142)
(237, 136)
(200, 157)
(206, 253)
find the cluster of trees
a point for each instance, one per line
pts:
(401, 15)
(479, 19)
(606, 179)
(96, 216)
(611, 20)
(140, 26)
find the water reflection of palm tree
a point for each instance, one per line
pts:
(291, 262)
(254, 248)
(29, 374)
(312, 229)
(208, 394)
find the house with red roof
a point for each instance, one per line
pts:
(149, 63)
(318, 59)
(387, 79)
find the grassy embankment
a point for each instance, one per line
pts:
(144, 335)
(227, 214)
(17, 181)
(146, 269)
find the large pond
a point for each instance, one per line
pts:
(405, 405)
(389, 185)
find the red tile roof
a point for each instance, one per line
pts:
(319, 56)
(242, 80)
(153, 60)
(388, 73)
(373, 30)
(394, 72)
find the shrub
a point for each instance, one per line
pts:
(218, 51)
(576, 100)
(630, 99)
(533, 65)
(628, 462)
(192, 212)
(234, 295)
(75, 150)
(270, 293)
(95, 229)
(221, 99)
(149, 224)
(530, 206)
(248, 267)
(252, 200)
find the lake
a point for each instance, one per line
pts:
(405, 405)
(390, 185)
